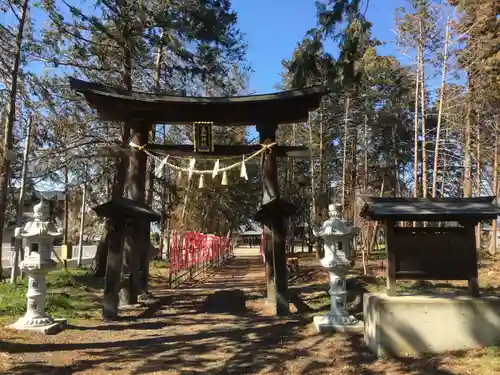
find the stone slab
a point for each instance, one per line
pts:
(130, 307)
(50, 329)
(322, 326)
(402, 325)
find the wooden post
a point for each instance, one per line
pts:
(274, 226)
(391, 258)
(137, 238)
(114, 263)
(472, 283)
(270, 287)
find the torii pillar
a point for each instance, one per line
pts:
(272, 213)
(136, 241)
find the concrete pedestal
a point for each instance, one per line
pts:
(397, 326)
(47, 326)
(333, 323)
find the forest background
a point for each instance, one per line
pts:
(413, 108)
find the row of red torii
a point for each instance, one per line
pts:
(139, 112)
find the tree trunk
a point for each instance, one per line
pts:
(114, 239)
(66, 205)
(493, 242)
(7, 151)
(293, 187)
(396, 161)
(415, 133)
(321, 183)
(82, 226)
(365, 136)
(321, 178)
(119, 178)
(156, 84)
(353, 177)
(150, 177)
(478, 181)
(344, 150)
(445, 166)
(422, 110)
(137, 244)
(20, 202)
(117, 190)
(467, 150)
(313, 215)
(440, 114)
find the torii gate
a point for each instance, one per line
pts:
(140, 111)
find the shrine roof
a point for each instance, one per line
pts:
(115, 104)
(421, 209)
(126, 208)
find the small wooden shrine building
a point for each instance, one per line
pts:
(444, 249)
(140, 111)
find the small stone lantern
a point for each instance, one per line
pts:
(337, 236)
(39, 235)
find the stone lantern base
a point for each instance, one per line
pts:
(335, 323)
(45, 325)
(338, 318)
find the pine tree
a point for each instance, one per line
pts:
(13, 63)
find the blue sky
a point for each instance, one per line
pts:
(273, 28)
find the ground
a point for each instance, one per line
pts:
(220, 325)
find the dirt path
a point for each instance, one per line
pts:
(220, 327)
(244, 272)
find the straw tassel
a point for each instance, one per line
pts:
(224, 178)
(201, 184)
(179, 177)
(216, 169)
(243, 172)
(192, 162)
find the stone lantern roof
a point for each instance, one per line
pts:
(335, 226)
(40, 226)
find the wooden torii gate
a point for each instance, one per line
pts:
(140, 111)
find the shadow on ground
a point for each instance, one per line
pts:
(214, 331)
(199, 336)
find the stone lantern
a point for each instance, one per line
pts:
(337, 236)
(38, 236)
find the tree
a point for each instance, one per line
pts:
(7, 149)
(369, 105)
(419, 31)
(120, 43)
